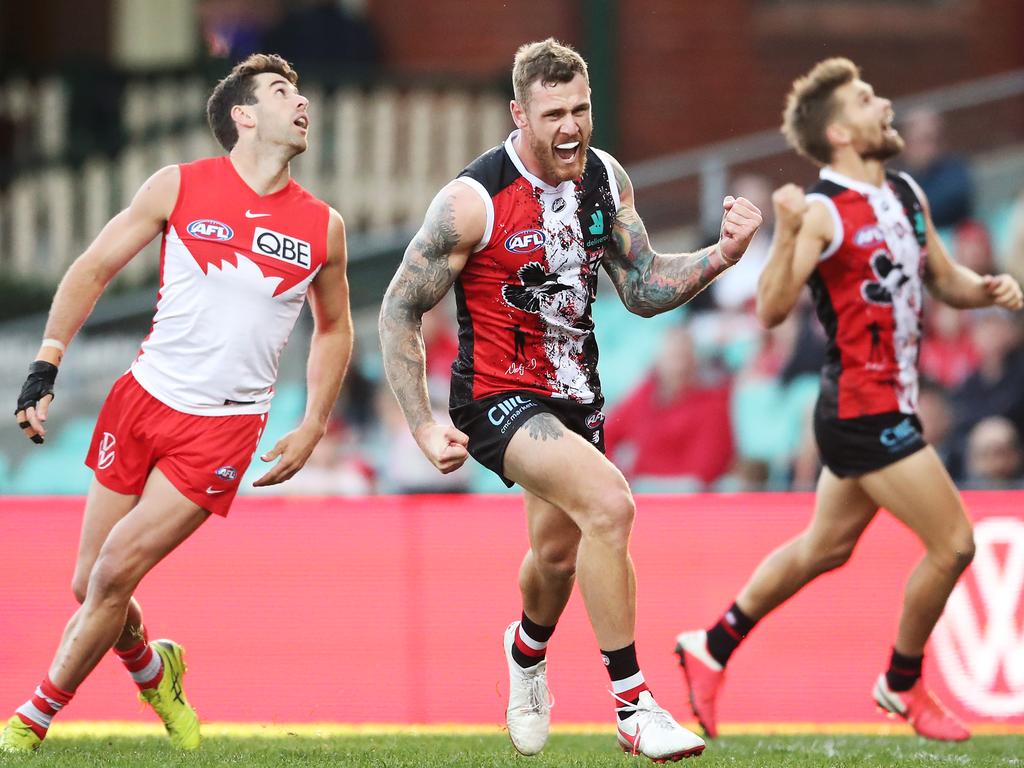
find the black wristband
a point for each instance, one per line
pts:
(39, 384)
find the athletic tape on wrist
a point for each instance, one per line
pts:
(55, 343)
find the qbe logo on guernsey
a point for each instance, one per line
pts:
(979, 641)
(286, 248)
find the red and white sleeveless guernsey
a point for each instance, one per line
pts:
(867, 290)
(234, 270)
(524, 296)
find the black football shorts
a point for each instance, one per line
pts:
(491, 421)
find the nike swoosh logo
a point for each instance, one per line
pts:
(250, 215)
(634, 741)
(211, 490)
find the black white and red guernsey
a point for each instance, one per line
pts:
(867, 290)
(524, 296)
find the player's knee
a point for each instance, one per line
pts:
(80, 586)
(824, 559)
(956, 553)
(557, 560)
(611, 516)
(111, 578)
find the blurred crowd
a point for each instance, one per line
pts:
(726, 405)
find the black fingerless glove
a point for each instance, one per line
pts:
(39, 384)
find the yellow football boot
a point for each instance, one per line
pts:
(18, 737)
(168, 698)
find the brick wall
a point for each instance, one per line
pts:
(692, 72)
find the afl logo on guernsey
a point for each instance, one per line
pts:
(868, 235)
(208, 229)
(526, 241)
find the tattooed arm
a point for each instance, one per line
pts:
(650, 283)
(453, 225)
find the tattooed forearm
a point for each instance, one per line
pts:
(544, 426)
(422, 280)
(648, 282)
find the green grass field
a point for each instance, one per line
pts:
(139, 748)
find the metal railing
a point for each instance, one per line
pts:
(711, 164)
(377, 155)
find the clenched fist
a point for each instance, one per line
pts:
(790, 205)
(739, 225)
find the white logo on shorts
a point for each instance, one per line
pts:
(107, 454)
(979, 642)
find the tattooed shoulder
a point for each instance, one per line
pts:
(438, 236)
(544, 426)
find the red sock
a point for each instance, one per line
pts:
(47, 701)
(144, 664)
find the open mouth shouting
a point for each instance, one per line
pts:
(887, 130)
(302, 121)
(567, 151)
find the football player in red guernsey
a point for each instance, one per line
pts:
(521, 234)
(243, 246)
(863, 239)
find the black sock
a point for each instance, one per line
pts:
(903, 671)
(728, 633)
(627, 680)
(524, 655)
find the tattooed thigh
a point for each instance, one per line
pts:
(544, 426)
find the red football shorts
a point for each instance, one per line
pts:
(204, 457)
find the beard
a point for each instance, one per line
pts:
(552, 166)
(885, 149)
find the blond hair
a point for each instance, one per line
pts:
(811, 106)
(548, 61)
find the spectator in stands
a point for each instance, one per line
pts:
(736, 289)
(233, 29)
(997, 387)
(335, 468)
(948, 355)
(673, 430)
(772, 397)
(944, 177)
(972, 247)
(935, 411)
(324, 38)
(442, 345)
(994, 458)
(1014, 258)
(399, 464)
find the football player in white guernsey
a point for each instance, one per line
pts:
(261, 119)
(579, 508)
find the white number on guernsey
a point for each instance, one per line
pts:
(285, 248)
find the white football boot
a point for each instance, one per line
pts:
(651, 731)
(528, 716)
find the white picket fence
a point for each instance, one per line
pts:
(377, 156)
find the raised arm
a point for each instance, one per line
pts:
(117, 243)
(454, 224)
(959, 286)
(649, 282)
(802, 232)
(329, 352)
